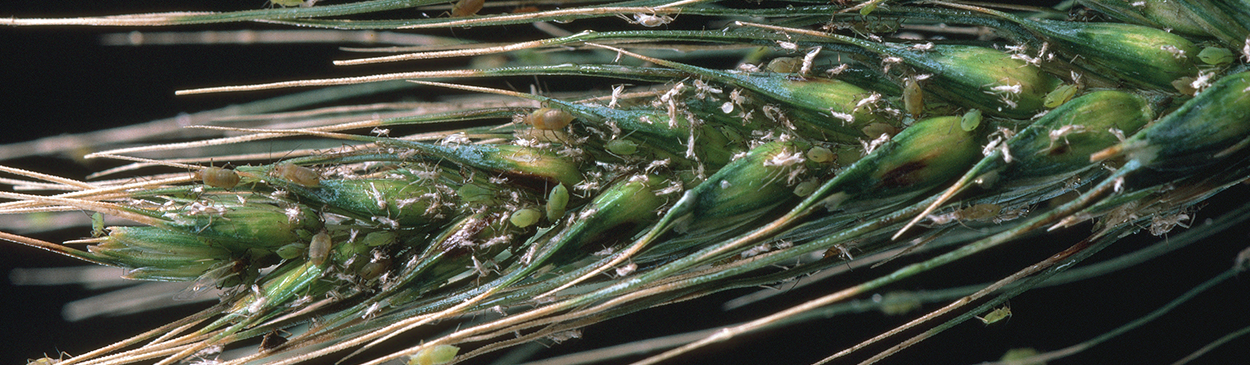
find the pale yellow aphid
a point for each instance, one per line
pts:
(298, 174)
(319, 248)
(913, 97)
(465, 8)
(218, 177)
(97, 225)
(785, 65)
(821, 155)
(996, 315)
(436, 355)
(548, 119)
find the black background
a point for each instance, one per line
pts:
(59, 80)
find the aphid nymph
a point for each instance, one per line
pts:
(298, 174)
(97, 224)
(549, 119)
(218, 177)
(465, 8)
(996, 315)
(436, 355)
(319, 248)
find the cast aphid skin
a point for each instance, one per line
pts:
(647, 20)
(300, 175)
(219, 178)
(549, 119)
(971, 120)
(996, 315)
(436, 355)
(319, 248)
(465, 8)
(556, 201)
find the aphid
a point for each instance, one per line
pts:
(785, 65)
(291, 251)
(1216, 56)
(913, 97)
(298, 174)
(271, 341)
(806, 188)
(465, 8)
(1060, 95)
(525, 217)
(219, 178)
(379, 238)
(978, 212)
(375, 268)
(647, 20)
(290, 3)
(821, 155)
(319, 248)
(548, 119)
(556, 201)
(996, 315)
(97, 225)
(436, 355)
(971, 120)
(622, 147)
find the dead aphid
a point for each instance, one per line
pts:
(465, 8)
(218, 177)
(996, 315)
(549, 119)
(271, 341)
(298, 174)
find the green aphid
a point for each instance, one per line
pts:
(379, 238)
(1216, 56)
(913, 97)
(291, 251)
(996, 315)
(821, 155)
(971, 120)
(525, 217)
(300, 175)
(436, 355)
(97, 224)
(375, 268)
(1140, 55)
(557, 199)
(806, 188)
(291, 3)
(1060, 95)
(475, 193)
(623, 147)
